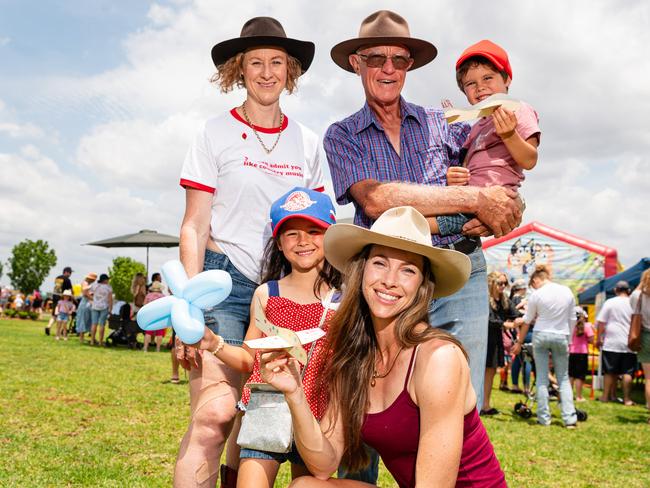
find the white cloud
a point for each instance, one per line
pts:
(40, 200)
(138, 153)
(4, 41)
(21, 131)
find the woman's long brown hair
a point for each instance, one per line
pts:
(353, 346)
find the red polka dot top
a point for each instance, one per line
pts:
(286, 313)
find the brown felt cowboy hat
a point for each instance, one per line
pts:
(264, 31)
(401, 228)
(384, 28)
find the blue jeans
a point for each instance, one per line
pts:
(230, 318)
(465, 315)
(83, 316)
(558, 346)
(98, 317)
(293, 456)
(517, 364)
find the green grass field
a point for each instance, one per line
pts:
(73, 415)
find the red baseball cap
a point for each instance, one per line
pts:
(487, 49)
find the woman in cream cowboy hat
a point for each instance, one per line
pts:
(240, 162)
(396, 384)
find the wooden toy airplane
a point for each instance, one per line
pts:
(482, 109)
(281, 338)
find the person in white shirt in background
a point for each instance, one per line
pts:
(613, 322)
(550, 306)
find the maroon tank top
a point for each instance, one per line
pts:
(395, 435)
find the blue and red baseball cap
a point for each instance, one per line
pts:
(305, 204)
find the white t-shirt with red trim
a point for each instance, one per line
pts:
(226, 159)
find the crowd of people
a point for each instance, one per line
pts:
(415, 329)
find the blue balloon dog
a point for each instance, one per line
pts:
(184, 309)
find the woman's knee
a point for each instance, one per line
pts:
(216, 414)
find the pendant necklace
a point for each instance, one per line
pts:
(376, 375)
(248, 120)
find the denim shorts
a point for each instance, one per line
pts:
(230, 318)
(292, 456)
(62, 316)
(99, 317)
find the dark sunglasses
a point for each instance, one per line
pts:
(378, 60)
(502, 283)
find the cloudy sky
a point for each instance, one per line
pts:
(99, 100)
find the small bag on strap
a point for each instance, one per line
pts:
(267, 424)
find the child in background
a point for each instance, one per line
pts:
(583, 335)
(498, 147)
(155, 292)
(295, 281)
(100, 308)
(64, 309)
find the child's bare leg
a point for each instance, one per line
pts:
(232, 448)
(158, 343)
(257, 472)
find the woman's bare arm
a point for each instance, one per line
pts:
(195, 230)
(320, 446)
(443, 392)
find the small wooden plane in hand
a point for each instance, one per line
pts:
(481, 109)
(281, 338)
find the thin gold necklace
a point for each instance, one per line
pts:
(248, 120)
(376, 375)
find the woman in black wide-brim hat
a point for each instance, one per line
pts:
(240, 162)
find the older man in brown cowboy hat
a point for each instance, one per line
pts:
(393, 153)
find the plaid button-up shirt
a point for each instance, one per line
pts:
(358, 149)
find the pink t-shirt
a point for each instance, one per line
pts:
(579, 344)
(488, 159)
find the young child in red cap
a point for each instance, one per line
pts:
(499, 147)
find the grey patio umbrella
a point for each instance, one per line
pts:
(145, 238)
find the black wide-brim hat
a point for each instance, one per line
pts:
(384, 28)
(264, 31)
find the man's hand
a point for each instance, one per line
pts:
(499, 208)
(505, 122)
(515, 349)
(457, 176)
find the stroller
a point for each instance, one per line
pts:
(125, 330)
(523, 409)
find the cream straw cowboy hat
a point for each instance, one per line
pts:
(384, 28)
(401, 228)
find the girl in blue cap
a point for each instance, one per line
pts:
(297, 288)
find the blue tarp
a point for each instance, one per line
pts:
(632, 275)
